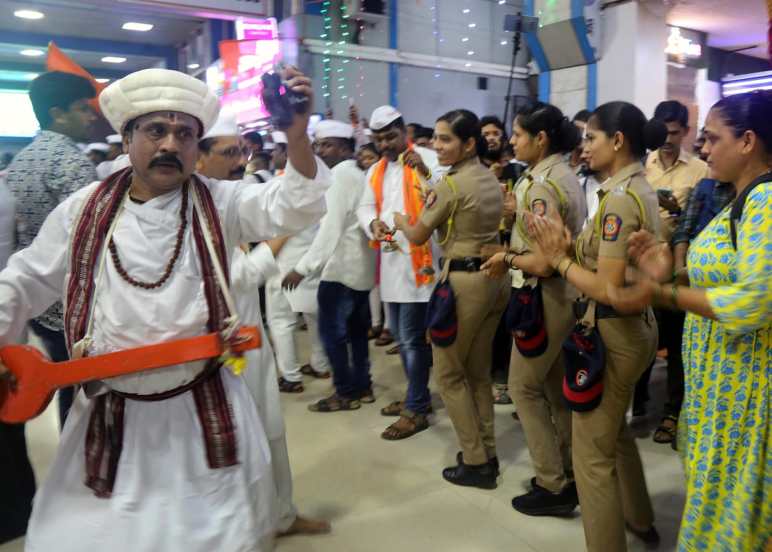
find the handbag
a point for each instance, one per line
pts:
(585, 362)
(441, 319)
(525, 321)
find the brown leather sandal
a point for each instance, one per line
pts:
(290, 386)
(405, 427)
(394, 409)
(666, 432)
(334, 403)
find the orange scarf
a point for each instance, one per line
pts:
(420, 255)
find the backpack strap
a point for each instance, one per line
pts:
(737, 207)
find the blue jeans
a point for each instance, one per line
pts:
(344, 318)
(56, 346)
(408, 322)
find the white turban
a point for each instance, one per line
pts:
(383, 117)
(152, 90)
(97, 146)
(333, 129)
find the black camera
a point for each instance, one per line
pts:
(281, 101)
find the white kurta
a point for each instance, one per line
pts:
(165, 496)
(397, 278)
(340, 251)
(106, 168)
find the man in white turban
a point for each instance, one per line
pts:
(175, 458)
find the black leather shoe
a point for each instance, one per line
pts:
(650, 537)
(494, 462)
(482, 476)
(540, 502)
(570, 488)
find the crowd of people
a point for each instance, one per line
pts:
(548, 270)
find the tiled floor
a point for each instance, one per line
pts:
(385, 496)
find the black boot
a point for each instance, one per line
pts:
(541, 502)
(650, 537)
(482, 476)
(494, 462)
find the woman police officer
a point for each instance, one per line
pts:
(466, 207)
(609, 475)
(541, 137)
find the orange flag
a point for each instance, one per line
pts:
(59, 61)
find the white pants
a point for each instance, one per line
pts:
(283, 322)
(376, 308)
(282, 477)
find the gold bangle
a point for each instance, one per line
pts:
(559, 265)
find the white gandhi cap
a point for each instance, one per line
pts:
(383, 117)
(333, 129)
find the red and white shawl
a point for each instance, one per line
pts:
(104, 437)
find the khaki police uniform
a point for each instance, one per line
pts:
(471, 196)
(535, 384)
(609, 474)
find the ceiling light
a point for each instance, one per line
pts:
(193, 65)
(504, 43)
(470, 53)
(502, 2)
(134, 26)
(31, 76)
(102, 80)
(465, 10)
(29, 14)
(467, 65)
(465, 39)
(472, 25)
(32, 53)
(113, 59)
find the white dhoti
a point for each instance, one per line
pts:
(166, 497)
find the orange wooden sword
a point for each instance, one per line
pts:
(34, 379)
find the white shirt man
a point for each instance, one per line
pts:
(405, 286)
(160, 482)
(341, 253)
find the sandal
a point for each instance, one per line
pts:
(374, 332)
(405, 427)
(384, 339)
(397, 407)
(666, 432)
(500, 395)
(393, 351)
(290, 386)
(394, 409)
(334, 403)
(308, 370)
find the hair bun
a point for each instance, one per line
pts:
(570, 136)
(654, 134)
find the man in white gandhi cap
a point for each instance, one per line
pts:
(223, 153)
(174, 458)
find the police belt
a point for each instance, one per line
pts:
(601, 310)
(465, 264)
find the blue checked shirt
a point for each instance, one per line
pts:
(41, 176)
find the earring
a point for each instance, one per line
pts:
(616, 148)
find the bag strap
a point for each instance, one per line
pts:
(737, 207)
(589, 320)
